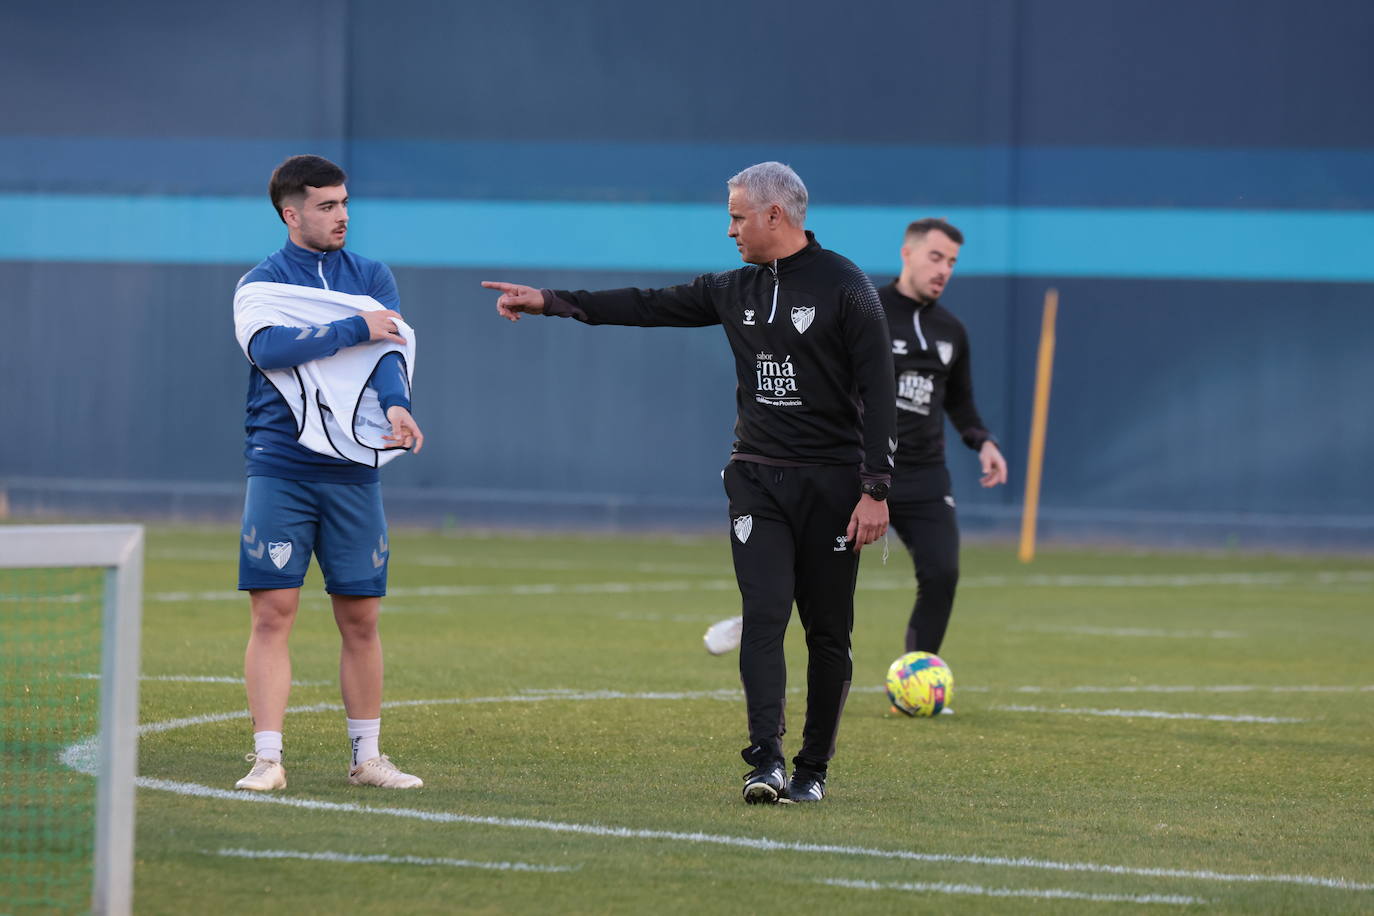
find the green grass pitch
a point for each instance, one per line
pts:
(1134, 731)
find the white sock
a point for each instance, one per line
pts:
(363, 735)
(267, 745)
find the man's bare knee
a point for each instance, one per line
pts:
(356, 617)
(274, 611)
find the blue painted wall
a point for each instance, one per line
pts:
(1197, 180)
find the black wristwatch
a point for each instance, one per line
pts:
(875, 489)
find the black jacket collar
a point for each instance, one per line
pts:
(915, 304)
(800, 258)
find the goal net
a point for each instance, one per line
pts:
(70, 613)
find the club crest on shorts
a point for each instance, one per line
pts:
(280, 552)
(743, 525)
(802, 316)
(945, 349)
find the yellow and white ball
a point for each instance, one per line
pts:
(920, 684)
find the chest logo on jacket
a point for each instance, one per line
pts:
(913, 392)
(802, 316)
(776, 381)
(945, 349)
(749, 317)
(899, 348)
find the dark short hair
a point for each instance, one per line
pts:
(292, 177)
(918, 229)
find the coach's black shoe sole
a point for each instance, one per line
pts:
(760, 793)
(766, 784)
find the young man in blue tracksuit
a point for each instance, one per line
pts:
(300, 502)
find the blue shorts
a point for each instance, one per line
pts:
(342, 524)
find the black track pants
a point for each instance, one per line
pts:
(921, 511)
(787, 537)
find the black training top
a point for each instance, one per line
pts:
(931, 358)
(812, 356)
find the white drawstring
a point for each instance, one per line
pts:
(775, 296)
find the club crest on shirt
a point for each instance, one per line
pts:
(802, 316)
(743, 525)
(945, 349)
(280, 552)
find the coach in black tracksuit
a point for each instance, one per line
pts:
(930, 355)
(812, 459)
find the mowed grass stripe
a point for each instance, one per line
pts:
(350, 858)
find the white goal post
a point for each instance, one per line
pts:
(118, 549)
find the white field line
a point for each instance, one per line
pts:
(1039, 893)
(82, 757)
(1265, 580)
(443, 561)
(675, 569)
(653, 617)
(1184, 688)
(742, 842)
(195, 679)
(1147, 688)
(1149, 580)
(1181, 580)
(378, 859)
(972, 688)
(1145, 632)
(1150, 714)
(870, 584)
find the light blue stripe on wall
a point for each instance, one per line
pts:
(1070, 242)
(850, 174)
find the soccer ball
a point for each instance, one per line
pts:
(920, 684)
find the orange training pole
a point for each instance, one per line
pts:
(1044, 369)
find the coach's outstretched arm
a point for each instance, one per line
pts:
(687, 305)
(515, 299)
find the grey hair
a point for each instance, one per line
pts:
(773, 183)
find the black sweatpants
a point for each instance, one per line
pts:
(921, 511)
(788, 540)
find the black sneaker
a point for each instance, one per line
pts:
(766, 783)
(806, 787)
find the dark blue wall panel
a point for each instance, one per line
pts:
(1187, 396)
(158, 68)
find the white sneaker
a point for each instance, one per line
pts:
(723, 636)
(265, 776)
(381, 772)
